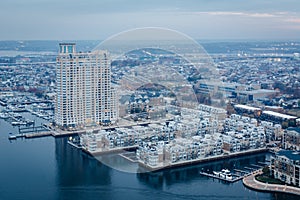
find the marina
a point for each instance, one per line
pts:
(127, 144)
(236, 177)
(238, 174)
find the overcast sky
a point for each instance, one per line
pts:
(99, 19)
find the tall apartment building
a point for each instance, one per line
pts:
(84, 92)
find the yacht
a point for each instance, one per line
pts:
(216, 173)
(224, 173)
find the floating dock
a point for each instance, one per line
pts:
(224, 179)
(264, 163)
(257, 166)
(241, 171)
(250, 168)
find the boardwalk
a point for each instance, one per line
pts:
(251, 182)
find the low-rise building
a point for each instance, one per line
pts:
(286, 167)
(292, 139)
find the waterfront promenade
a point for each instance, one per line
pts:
(166, 165)
(252, 183)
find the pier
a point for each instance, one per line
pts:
(129, 156)
(241, 171)
(39, 134)
(257, 166)
(249, 168)
(264, 163)
(33, 129)
(242, 174)
(224, 179)
(29, 135)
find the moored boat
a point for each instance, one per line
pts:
(224, 173)
(12, 137)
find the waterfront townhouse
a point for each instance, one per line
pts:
(285, 166)
(291, 139)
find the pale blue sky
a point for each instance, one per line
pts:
(99, 19)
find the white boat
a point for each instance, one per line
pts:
(224, 173)
(17, 123)
(12, 137)
(229, 177)
(216, 173)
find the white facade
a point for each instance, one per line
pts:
(84, 92)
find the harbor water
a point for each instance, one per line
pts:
(50, 168)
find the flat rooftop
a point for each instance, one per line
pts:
(276, 114)
(260, 91)
(246, 107)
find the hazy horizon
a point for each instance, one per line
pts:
(200, 19)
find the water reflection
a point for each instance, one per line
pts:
(186, 181)
(48, 168)
(77, 168)
(188, 173)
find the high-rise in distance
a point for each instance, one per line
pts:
(84, 93)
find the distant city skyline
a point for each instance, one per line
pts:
(200, 19)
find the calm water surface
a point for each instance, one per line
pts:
(48, 168)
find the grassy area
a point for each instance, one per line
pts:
(267, 179)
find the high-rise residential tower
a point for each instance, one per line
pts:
(84, 92)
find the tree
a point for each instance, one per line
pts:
(266, 170)
(279, 85)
